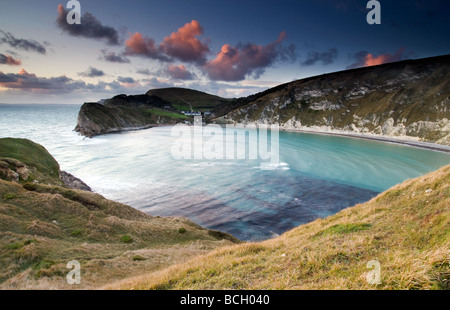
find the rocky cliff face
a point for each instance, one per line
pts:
(96, 119)
(408, 99)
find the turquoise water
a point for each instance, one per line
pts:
(318, 175)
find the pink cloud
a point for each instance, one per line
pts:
(185, 45)
(365, 59)
(143, 46)
(371, 60)
(179, 73)
(9, 60)
(24, 73)
(234, 63)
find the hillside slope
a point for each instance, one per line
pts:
(44, 225)
(409, 99)
(406, 229)
(184, 98)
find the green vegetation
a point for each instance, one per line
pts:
(406, 229)
(181, 107)
(344, 229)
(166, 113)
(126, 239)
(19, 152)
(76, 233)
(10, 196)
(182, 98)
(138, 258)
(182, 230)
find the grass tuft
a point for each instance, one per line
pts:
(126, 239)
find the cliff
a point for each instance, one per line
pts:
(44, 224)
(408, 99)
(96, 119)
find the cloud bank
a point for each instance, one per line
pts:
(30, 82)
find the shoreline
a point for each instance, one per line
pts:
(393, 140)
(385, 139)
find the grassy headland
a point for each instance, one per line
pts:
(44, 225)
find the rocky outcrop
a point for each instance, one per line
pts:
(73, 182)
(13, 170)
(96, 119)
(408, 99)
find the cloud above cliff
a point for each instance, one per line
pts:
(139, 45)
(366, 59)
(183, 45)
(235, 63)
(179, 73)
(232, 63)
(90, 27)
(9, 60)
(22, 44)
(92, 72)
(326, 57)
(30, 82)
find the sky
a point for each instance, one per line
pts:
(227, 48)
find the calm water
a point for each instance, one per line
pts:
(317, 176)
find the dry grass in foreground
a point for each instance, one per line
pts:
(406, 229)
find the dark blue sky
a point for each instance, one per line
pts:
(231, 48)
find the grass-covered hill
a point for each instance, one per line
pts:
(44, 225)
(183, 98)
(156, 107)
(406, 229)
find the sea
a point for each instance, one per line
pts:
(315, 175)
